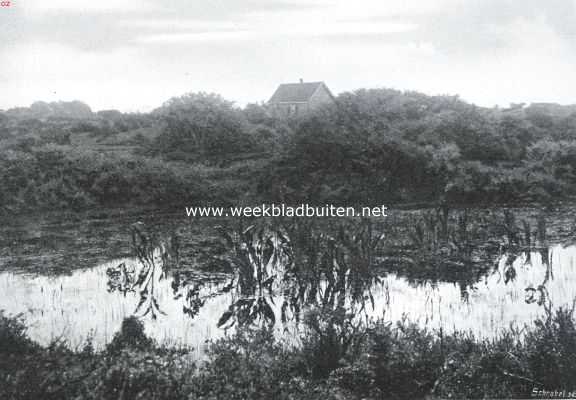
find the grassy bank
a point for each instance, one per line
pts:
(336, 360)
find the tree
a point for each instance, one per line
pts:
(203, 125)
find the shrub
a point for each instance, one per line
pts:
(53, 176)
(13, 338)
(405, 359)
(132, 374)
(131, 335)
(551, 349)
(331, 340)
(249, 365)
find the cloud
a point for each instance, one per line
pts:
(480, 26)
(135, 54)
(110, 24)
(269, 32)
(33, 7)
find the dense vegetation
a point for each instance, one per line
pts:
(337, 360)
(334, 354)
(373, 146)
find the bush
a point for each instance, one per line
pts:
(133, 374)
(55, 177)
(131, 336)
(400, 361)
(13, 338)
(405, 359)
(204, 125)
(248, 365)
(331, 340)
(551, 350)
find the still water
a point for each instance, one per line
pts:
(82, 305)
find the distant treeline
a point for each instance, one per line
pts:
(372, 146)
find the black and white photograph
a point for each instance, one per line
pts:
(287, 199)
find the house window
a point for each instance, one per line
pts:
(292, 109)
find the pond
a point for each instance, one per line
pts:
(267, 276)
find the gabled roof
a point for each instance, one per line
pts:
(295, 92)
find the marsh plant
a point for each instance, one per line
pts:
(320, 277)
(279, 269)
(331, 269)
(260, 255)
(155, 258)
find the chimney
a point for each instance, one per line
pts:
(301, 80)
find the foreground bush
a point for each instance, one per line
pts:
(379, 361)
(13, 338)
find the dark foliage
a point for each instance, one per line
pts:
(376, 360)
(372, 146)
(130, 336)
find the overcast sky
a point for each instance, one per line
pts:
(134, 54)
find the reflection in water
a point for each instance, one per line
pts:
(494, 303)
(92, 303)
(77, 306)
